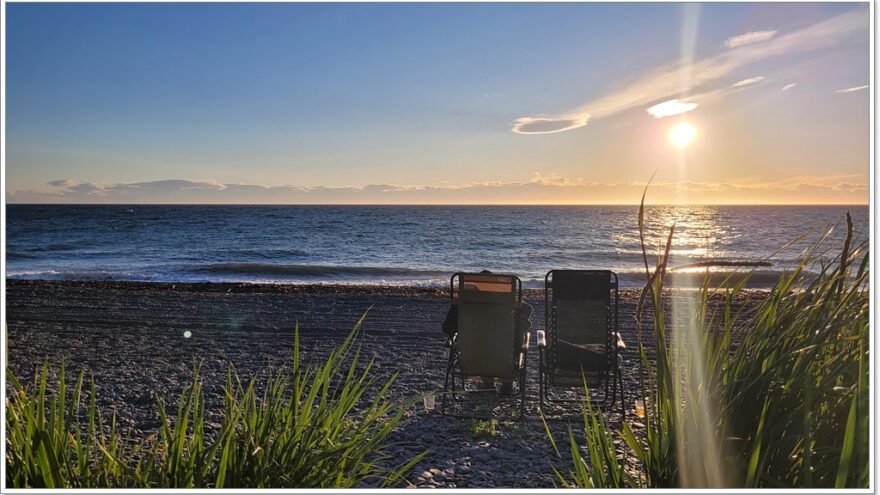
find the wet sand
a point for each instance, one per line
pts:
(131, 336)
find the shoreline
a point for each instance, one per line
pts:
(296, 287)
(241, 287)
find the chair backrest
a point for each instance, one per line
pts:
(487, 307)
(579, 303)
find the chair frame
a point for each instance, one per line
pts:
(611, 377)
(519, 357)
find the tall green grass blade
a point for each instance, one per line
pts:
(846, 454)
(318, 426)
(784, 376)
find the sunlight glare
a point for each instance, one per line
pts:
(682, 134)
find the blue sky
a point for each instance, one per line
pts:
(434, 102)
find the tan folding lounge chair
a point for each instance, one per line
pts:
(581, 341)
(486, 343)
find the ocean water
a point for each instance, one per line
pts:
(402, 245)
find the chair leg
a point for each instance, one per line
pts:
(613, 379)
(449, 382)
(622, 395)
(541, 380)
(446, 388)
(454, 389)
(604, 401)
(522, 387)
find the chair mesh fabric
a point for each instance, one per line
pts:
(487, 325)
(486, 339)
(580, 319)
(582, 322)
(579, 285)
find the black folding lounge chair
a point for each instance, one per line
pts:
(581, 340)
(486, 343)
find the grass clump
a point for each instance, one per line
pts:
(304, 430)
(606, 467)
(776, 398)
(481, 428)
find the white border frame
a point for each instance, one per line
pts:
(872, 303)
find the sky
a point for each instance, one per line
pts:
(437, 103)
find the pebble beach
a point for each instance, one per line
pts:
(141, 340)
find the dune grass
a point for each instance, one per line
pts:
(774, 398)
(304, 430)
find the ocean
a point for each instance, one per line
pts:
(403, 245)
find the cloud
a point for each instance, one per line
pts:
(61, 183)
(749, 38)
(553, 179)
(87, 188)
(541, 188)
(747, 82)
(676, 79)
(670, 108)
(540, 125)
(852, 89)
(173, 184)
(788, 86)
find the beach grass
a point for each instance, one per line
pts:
(316, 426)
(775, 398)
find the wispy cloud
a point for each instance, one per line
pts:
(553, 179)
(541, 125)
(788, 86)
(670, 108)
(749, 38)
(541, 188)
(852, 89)
(747, 82)
(674, 80)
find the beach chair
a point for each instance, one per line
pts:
(581, 341)
(486, 342)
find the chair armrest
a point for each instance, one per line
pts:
(542, 339)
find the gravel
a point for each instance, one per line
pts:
(131, 336)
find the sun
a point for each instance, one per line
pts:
(682, 134)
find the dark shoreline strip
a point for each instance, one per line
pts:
(269, 288)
